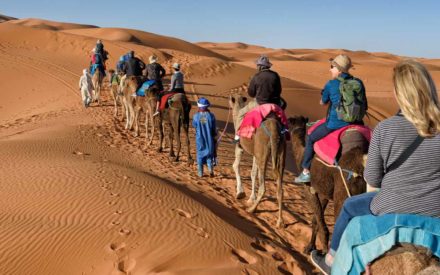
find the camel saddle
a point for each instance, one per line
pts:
(332, 146)
(253, 119)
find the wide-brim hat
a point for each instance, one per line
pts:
(176, 66)
(342, 62)
(263, 61)
(152, 59)
(203, 103)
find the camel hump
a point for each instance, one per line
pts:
(352, 138)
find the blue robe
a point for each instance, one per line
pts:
(204, 123)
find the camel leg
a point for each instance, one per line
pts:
(137, 111)
(278, 174)
(147, 127)
(170, 138)
(261, 185)
(127, 113)
(131, 116)
(160, 148)
(176, 131)
(254, 171)
(318, 207)
(185, 129)
(236, 166)
(98, 94)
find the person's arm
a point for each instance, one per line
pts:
(213, 126)
(173, 82)
(325, 94)
(194, 122)
(374, 170)
(279, 88)
(252, 90)
(162, 71)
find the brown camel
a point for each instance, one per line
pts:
(129, 86)
(97, 84)
(176, 118)
(406, 259)
(116, 95)
(267, 142)
(327, 183)
(147, 104)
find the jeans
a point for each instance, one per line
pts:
(358, 205)
(317, 134)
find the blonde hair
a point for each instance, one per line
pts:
(417, 96)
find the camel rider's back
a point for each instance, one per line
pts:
(265, 87)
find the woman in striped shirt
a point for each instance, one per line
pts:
(413, 187)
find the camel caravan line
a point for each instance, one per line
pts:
(334, 174)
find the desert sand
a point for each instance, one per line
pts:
(81, 195)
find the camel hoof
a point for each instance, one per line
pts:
(240, 196)
(250, 201)
(251, 209)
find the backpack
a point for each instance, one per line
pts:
(352, 105)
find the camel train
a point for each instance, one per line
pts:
(331, 182)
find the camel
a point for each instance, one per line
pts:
(265, 143)
(146, 103)
(128, 87)
(176, 118)
(97, 84)
(327, 183)
(117, 96)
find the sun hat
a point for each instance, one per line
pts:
(153, 59)
(85, 71)
(263, 61)
(342, 62)
(203, 103)
(176, 66)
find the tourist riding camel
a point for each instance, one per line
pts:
(402, 175)
(134, 67)
(265, 87)
(177, 85)
(86, 88)
(99, 49)
(206, 131)
(332, 96)
(155, 71)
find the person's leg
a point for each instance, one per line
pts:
(317, 134)
(358, 205)
(200, 169)
(210, 167)
(355, 206)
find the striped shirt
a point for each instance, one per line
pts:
(412, 188)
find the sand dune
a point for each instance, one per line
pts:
(81, 195)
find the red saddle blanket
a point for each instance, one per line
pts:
(253, 119)
(328, 147)
(164, 101)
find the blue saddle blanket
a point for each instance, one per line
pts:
(144, 87)
(368, 237)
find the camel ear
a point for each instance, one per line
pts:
(233, 99)
(244, 99)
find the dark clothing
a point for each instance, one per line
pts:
(265, 86)
(154, 71)
(99, 48)
(134, 67)
(320, 132)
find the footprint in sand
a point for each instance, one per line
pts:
(124, 232)
(199, 230)
(126, 265)
(112, 202)
(248, 271)
(118, 212)
(114, 194)
(283, 269)
(117, 247)
(113, 223)
(243, 256)
(184, 213)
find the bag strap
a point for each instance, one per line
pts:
(405, 155)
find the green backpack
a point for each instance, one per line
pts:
(352, 105)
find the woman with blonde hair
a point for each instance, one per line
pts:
(402, 172)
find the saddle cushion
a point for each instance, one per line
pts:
(164, 101)
(144, 87)
(253, 119)
(328, 147)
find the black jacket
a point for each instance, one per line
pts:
(154, 71)
(265, 86)
(134, 67)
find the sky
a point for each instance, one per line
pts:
(403, 27)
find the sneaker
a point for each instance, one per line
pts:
(303, 178)
(156, 113)
(318, 260)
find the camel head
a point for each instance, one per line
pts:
(298, 125)
(237, 101)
